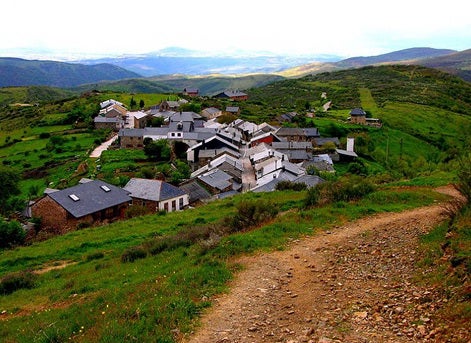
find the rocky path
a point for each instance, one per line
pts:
(353, 284)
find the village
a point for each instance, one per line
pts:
(225, 159)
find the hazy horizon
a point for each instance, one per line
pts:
(91, 29)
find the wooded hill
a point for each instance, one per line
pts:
(21, 72)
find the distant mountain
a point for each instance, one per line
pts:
(407, 56)
(21, 72)
(188, 62)
(395, 56)
(458, 63)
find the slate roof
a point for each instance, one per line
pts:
(212, 110)
(230, 93)
(100, 119)
(217, 179)
(139, 115)
(153, 190)
(291, 145)
(346, 153)
(309, 180)
(357, 112)
(232, 109)
(195, 191)
(91, 197)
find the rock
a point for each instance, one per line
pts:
(360, 315)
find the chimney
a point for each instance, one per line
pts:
(350, 143)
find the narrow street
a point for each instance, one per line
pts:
(248, 174)
(103, 146)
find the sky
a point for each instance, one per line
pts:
(98, 28)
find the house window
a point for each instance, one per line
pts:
(180, 203)
(174, 205)
(173, 134)
(166, 206)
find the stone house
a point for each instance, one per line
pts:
(211, 112)
(87, 203)
(233, 95)
(357, 116)
(156, 195)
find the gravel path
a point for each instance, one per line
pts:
(353, 284)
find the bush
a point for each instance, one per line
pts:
(250, 214)
(95, 256)
(353, 188)
(464, 177)
(313, 196)
(290, 185)
(15, 281)
(44, 135)
(136, 211)
(132, 254)
(11, 234)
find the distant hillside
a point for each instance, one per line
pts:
(213, 84)
(175, 84)
(458, 63)
(418, 56)
(32, 94)
(395, 56)
(20, 72)
(389, 83)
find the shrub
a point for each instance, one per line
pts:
(464, 177)
(290, 185)
(250, 214)
(44, 135)
(95, 256)
(132, 254)
(136, 211)
(11, 234)
(15, 281)
(313, 196)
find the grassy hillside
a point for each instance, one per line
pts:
(9, 96)
(20, 72)
(85, 289)
(458, 64)
(207, 85)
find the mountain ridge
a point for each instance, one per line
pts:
(21, 72)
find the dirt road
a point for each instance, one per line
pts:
(353, 284)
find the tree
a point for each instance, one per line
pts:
(132, 103)
(141, 104)
(11, 234)
(9, 181)
(157, 150)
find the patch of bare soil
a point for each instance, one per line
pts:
(54, 266)
(353, 284)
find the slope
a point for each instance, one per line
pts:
(20, 72)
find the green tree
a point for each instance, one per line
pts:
(11, 234)
(132, 103)
(141, 104)
(9, 180)
(157, 150)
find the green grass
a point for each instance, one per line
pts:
(99, 298)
